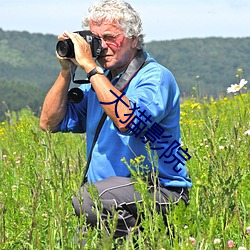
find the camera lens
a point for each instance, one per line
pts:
(65, 48)
(75, 95)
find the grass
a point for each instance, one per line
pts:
(40, 172)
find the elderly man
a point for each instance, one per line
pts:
(140, 100)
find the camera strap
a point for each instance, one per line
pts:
(136, 64)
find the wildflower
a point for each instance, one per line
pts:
(216, 241)
(198, 182)
(247, 133)
(192, 240)
(137, 159)
(132, 162)
(248, 230)
(195, 105)
(14, 188)
(237, 87)
(242, 248)
(240, 70)
(45, 216)
(22, 210)
(230, 244)
(221, 147)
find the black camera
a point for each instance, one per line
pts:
(65, 48)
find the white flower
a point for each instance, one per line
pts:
(242, 248)
(237, 87)
(246, 133)
(217, 241)
(22, 210)
(221, 147)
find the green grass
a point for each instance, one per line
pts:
(40, 172)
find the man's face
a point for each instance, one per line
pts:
(118, 50)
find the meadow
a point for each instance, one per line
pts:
(40, 172)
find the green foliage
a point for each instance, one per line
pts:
(14, 95)
(40, 172)
(28, 58)
(28, 68)
(210, 61)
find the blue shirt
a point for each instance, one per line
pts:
(154, 94)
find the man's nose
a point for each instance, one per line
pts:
(104, 44)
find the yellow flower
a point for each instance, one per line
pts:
(195, 105)
(132, 162)
(240, 70)
(138, 160)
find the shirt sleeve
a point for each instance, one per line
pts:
(154, 95)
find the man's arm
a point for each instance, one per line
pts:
(55, 103)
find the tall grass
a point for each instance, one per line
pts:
(40, 172)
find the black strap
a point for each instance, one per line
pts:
(136, 64)
(97, 132)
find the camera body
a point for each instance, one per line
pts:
(65, 48)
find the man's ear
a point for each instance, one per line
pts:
(134, 42)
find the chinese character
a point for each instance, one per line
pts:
(131, 114)
(119, 98)
(169, 154)
(152, 134)
(137, 125)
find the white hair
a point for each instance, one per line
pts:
(120, 13)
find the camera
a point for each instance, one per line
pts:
(65, 48)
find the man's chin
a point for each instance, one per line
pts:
(105, 63)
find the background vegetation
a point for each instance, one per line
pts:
(40, 172)
(28, 66)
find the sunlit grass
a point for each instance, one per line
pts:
(40, 172)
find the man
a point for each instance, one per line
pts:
(141, 100)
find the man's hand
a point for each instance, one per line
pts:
(83, 54)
